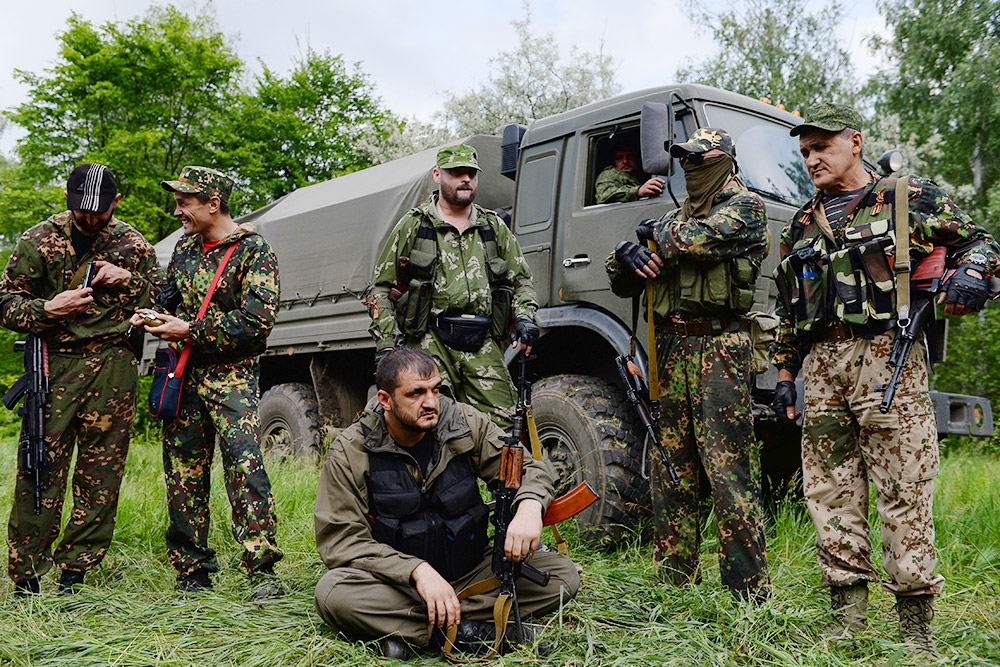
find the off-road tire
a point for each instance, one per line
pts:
(289, 421)
(590, 434)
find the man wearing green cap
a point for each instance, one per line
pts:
(703, 271)
(619, 181)
(91, 374)
(838, 279)
(451, 280)
(220, 393)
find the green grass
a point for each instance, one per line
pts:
(129, 614)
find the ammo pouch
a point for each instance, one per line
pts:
(802, 279)
(413, 308)
(463, 331)
(501, 293)
(763, 332)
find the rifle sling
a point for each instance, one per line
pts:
(654, 381)
(901, 263)
(501, 612)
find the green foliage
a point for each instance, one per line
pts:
(288, 132)
(145, 97)
(973, 351)
(528, 82)
(774, 49)
(941, 77)
(128, 613)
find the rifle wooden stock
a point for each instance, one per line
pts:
(570, 504)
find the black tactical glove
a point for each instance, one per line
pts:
(644, 232)
(784, 396)
(632, 256)
(381, 354)
(525, 331)
(965, 289)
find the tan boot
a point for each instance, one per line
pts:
(850, 610)
(915, 615)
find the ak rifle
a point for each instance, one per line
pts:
(33, 386)
(638, 397)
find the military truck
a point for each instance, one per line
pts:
(318, 368)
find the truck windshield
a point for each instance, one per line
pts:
(769, 159)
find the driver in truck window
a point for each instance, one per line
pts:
(619, 181)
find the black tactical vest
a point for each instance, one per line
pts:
(447, 528)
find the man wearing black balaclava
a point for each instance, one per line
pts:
(702, 272)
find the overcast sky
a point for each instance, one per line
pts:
(413, 50)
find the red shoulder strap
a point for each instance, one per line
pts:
(186, 352)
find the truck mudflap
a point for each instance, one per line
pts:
(958, 414)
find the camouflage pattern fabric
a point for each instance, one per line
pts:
(935, 220)
(218, 400)
(615, 185)
(461, 285)
(92, 406)
(846, 442)
(201, 180)
(220, 397)
(706, 424)
(703, 140)
(459, 155)
(93, 381)
(828, 117)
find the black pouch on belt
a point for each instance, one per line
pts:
(462, 332)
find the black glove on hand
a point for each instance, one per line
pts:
(968, 290)
(632, 256)
(644, 232)
(784, 396)
(526, 331)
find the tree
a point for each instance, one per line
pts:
(143, 97)
(775, 49)
(320, 121)
(529, 82)
(942, 78)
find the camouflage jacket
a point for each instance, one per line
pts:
(737, 228)
(245, 303)
(44, 263)
(615, 185)
(935, 220)
(343, 534)
(461, 283)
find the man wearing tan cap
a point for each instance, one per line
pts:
(451, 280)
(220, 393)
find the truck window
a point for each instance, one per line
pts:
(601, 151)
(536, 192)
(769, 159)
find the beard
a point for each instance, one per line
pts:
(458, 196)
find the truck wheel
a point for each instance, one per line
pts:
(289, 421)
(590, 434)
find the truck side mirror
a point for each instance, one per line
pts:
(510, 146)
(891, 160)
(656, 131)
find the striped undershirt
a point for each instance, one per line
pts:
(835, 203)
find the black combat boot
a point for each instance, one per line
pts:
(265, 584)
(27, 588)
(68, 581)
(194, 582)
(395, 648)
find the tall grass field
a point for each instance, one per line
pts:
(128, 612)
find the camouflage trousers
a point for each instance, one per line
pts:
(706, 424)
(477, 378)
(362, 606)
(218, 401)
(91, 405)
(846, 441)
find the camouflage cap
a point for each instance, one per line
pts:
(459, 155)
(703, 140)
(829, 117)
(201, 179)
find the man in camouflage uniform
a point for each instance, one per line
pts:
(619, 182)
(444, 262)
(707, 259)
(220, 393)
(92, 373)
(842, 321)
